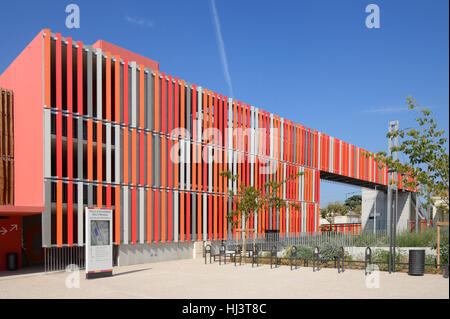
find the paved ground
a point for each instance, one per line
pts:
(193, 279)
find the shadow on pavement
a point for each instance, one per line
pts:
(131, 271)
(27, 270)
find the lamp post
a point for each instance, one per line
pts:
(392, 215)
(375, 213)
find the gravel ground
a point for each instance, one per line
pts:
(192, 279)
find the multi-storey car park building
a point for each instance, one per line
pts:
(94, 126)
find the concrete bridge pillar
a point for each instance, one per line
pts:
(376, 200)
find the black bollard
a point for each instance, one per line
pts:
(341, 256)
(316, 258)
(208, 250)
(367, 260)
(293, 252)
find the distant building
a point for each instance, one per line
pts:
(439, 214)
(350, 218)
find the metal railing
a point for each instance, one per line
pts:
(59, 258)
(266, 243)
(317, 260)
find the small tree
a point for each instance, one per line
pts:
(332, 210)
(248, 200)
(354, 203)
(427, 168)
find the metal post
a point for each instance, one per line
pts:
(396, 198)
(271, 255)
(389, 214)
(375, 213)
(393, 127)
(395, 228)
(389, 198)
(368, 261)
(389, 221)
(416, 226)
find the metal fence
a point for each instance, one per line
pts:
(59, 258)
(271, 240)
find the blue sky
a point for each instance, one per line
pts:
(314, 62)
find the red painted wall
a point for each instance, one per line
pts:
(24, 77)
(10, 242)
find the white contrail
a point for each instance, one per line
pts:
(385, 110)
(221, 45)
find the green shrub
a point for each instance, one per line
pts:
(430, 259)
(303, 252)
(443, 248)
(404, 239)
(425, 239)
(365, 240)
(348, 257)
(265, 254)
(329, 251)
(443, 252)
(380, 255)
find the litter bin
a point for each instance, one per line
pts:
(416, 262)
(11, 261)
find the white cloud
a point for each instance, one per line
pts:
(139, 21)
(221, 45)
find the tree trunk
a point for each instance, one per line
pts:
(244, 235)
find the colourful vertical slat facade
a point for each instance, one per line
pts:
(132, 117)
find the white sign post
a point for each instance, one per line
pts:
(99, 249)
